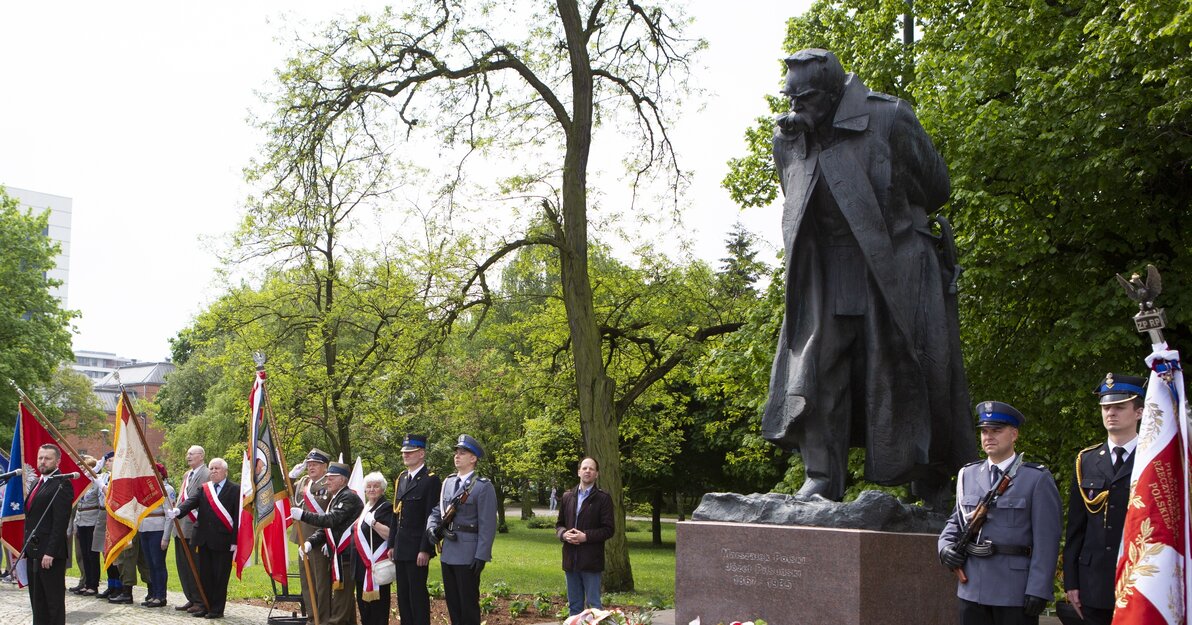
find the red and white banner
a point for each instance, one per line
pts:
(274, 555)
(244, 533)
(1152, 571)
(133, 490)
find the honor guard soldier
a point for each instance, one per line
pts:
(410, 546)
(343, 507)
(464, 522)
(311, 495)
(1003, 537)
(1097, 501)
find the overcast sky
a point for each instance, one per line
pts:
(138, 112)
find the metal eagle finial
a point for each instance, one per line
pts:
(1144, 293)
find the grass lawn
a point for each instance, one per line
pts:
(527, 560)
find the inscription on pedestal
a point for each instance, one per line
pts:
(770, 570)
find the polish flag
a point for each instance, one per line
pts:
(244, 532)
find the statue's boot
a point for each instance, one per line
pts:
(815, 486)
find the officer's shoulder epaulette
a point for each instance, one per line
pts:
(1089, 448)
(430, 474)
(1035, 465)
(482, 479)
(453, 475)
(977, 461)
(877, 95)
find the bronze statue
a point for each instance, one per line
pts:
(869, 351)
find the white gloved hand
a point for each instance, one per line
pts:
(296, 514)
(325, 552)
(233, 549)
(369, 517)
(172, 513)
(297, 470)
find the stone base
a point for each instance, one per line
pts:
(791, 575)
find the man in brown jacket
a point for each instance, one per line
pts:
(585, 522)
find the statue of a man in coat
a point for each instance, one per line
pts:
(869, 351)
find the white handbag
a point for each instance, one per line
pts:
(384, 571)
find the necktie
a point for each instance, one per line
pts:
(995, 475)
(34, 493)
(217, 485)
(1119, 454)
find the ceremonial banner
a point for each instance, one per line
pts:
(274, 555)
(268, 478)
(133, 490)
(1152, 578)
(356, 482)
(28, 437)
(244, 532)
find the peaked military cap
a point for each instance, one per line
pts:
(470, 444)
(413, 442)
(318, 455)
(1115, 389)
(996, 414)
(339, 468)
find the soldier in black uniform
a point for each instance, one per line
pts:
(414, 496)
(342, 510)
(1097, 501)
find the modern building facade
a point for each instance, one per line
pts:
(59, 208)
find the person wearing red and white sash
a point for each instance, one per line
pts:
(370, 535)
(215, 534)
(342, 510)
(312, 496)
(196, 475)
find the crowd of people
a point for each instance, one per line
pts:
(353, 546)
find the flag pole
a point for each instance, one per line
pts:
(310, 586)
(132, 416)
(53, 430)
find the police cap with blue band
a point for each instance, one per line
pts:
(318, 455)
(996, 414)
(470, 444)
(413, 442)
(339, 468)
(1115, 389)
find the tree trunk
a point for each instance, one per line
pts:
(527, 501)
(500, 493)
(656, 517)
(595, 389)
(679, 506)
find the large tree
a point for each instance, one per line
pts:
(526, 83)
(1067, 133)
(34, 328)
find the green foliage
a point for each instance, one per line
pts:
(435, 589)
(34, 329)
(1067, 134)
(501, 590)
(518, 607)
(488, 604)
(544, 603)
(540, 522)
(69, 401)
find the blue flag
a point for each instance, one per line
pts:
(13, 517)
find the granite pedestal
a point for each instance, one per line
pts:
(795, 575)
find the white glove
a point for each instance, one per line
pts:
(172, 513)
(296, 514)
(325, 552)
(306, 547)
(369, 518)
(297, 470)
(233, 549)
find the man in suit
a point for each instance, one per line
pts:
(585, 522)
(194, 478)
(465, 522)
(311, 494)
(411, 549)
(218, 506)
(47, 512)
(342, 509)
(1097, 501)
(1010, 565)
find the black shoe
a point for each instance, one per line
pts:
(214, 615)
(199, 614)
(148, 602)
(159, 602)
(125, 597)
(107, 593)
(184, 607)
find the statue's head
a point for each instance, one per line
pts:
(814, 84)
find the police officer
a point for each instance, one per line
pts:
(1010, 563)
(465, 521)
(310, 494)
(343, 507)
(1097, 501)
(413, 498)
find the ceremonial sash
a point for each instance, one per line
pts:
(368, 556)
(310, 500)
(220, 511)
(193, 515)
(338, 547)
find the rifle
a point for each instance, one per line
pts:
(977, 519)
(449, 516)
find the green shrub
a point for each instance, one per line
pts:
(501, 589)
(435, 589)
(488, 604)
(543, 603)
(518, 608)
(540, 522)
